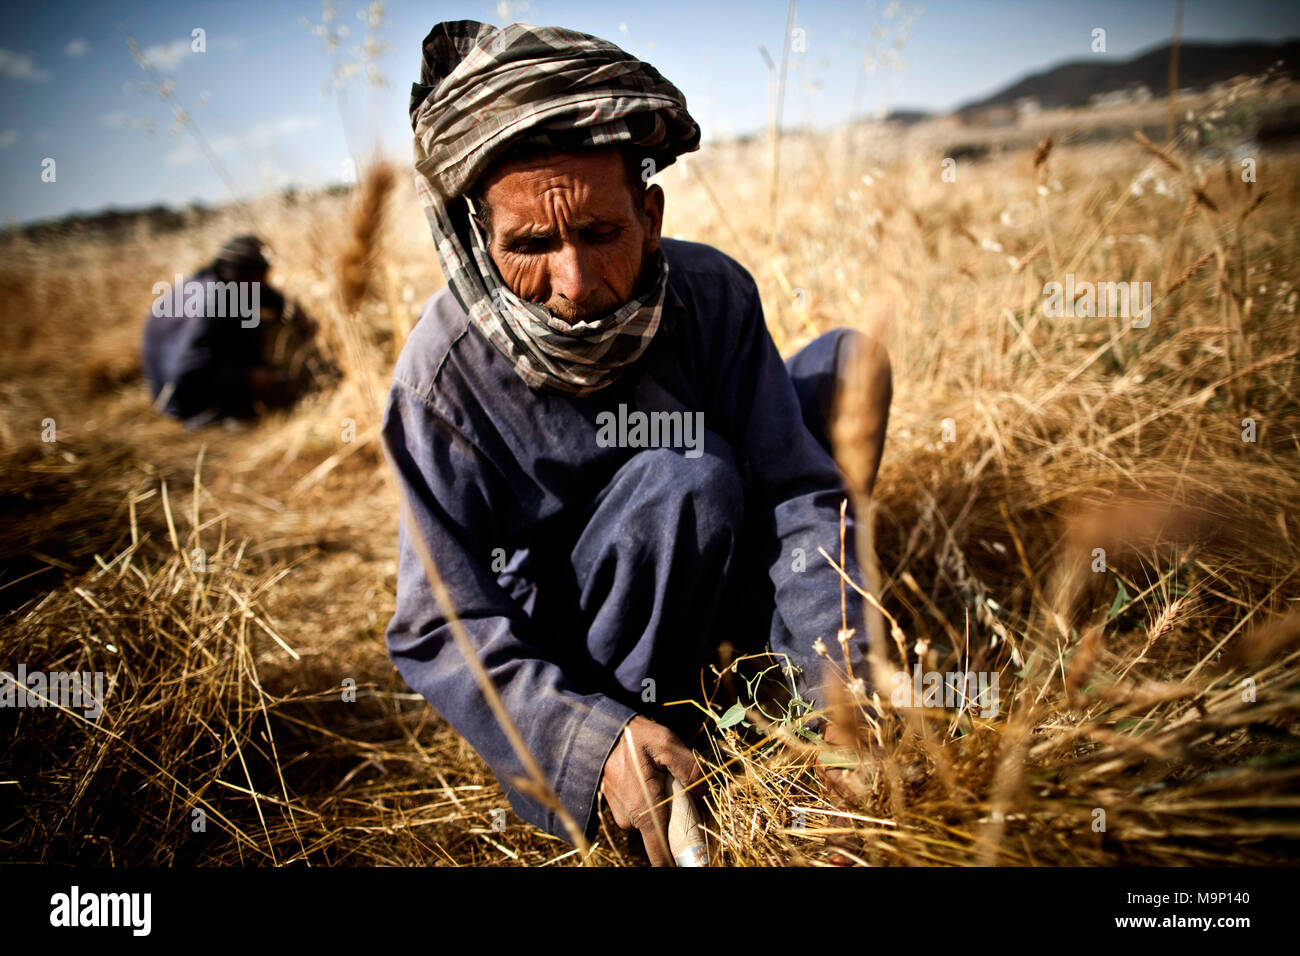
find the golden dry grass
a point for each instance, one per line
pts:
(1069, 434)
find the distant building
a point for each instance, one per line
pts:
(1136, 93)
(1027, 107)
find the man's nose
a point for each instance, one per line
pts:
(572, 274)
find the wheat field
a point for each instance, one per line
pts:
(1163, 692)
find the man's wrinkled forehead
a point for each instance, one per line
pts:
(585, 185)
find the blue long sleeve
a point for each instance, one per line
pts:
(569, 732)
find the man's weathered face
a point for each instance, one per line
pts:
(567, 235)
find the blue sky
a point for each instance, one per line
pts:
(71, 91)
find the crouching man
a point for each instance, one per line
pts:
(593, 568)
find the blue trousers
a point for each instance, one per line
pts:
(664, 568)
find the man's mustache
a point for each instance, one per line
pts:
(646, 273)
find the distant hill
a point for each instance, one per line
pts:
(115, 223)
(1200, 65)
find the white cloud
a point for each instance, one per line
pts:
(19, 66)
(257, 136)
(9, 137)
(166, 57)
(509, 11)
(261, 134)
(77, 47)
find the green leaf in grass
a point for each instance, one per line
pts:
(734, 715)
(1120, 602)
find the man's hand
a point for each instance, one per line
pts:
(269, 385)
(634, 771)
(843, 781)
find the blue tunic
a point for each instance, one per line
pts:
(583, 568)
(203, 362)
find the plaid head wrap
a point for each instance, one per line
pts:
(484, 90)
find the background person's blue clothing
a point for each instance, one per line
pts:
(621, 564)
(203, 362)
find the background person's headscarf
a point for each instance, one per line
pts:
(484, 90)
(240, 256)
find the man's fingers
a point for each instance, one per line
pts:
(675, 757)
(843, 782)
(680, 762)
(659, 854)
(651, 818)
(652, 821)
(616, 808)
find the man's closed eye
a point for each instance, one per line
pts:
(538, 244)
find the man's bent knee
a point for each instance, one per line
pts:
(709, 485)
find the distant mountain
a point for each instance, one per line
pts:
(1200, 65)
(907, 117)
